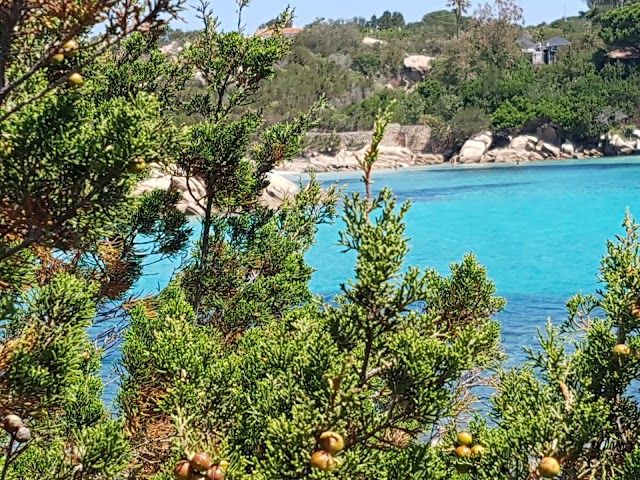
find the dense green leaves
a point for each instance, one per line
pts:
(573, 399)
(49, 378)
(69, 227)
(483, 72)
(255, 265)
(236, 357)
(620, 26)
(64, 164)
(383, 364)
(56, 319)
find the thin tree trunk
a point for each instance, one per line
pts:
(9, 23)
(204, 252)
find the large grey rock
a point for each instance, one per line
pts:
(547, 150)
(507, 155)
(278, 191)
(193, 192)
(415, 69)
(156, 170)
(372, 41)
(594, 153)
(523, 142)
(194, 187)
(548, 134)
(390, 158)
(150, 184)
(428, 159)
(618, 146)
(171, 48)
(474, 148)
(197, 185)
(419, 63)
(190, 208)
(568, 148)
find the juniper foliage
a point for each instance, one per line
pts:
(233, 155)
(68, 225)
(384, 364)
(574, 398)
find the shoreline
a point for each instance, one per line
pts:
(447, 166)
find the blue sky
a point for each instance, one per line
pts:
(535, 11)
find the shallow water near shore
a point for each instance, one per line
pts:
(540, 229)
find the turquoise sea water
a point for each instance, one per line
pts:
(540, 229)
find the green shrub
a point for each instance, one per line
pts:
(466, 123)
(440, 132)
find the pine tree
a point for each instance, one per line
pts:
(460, 7)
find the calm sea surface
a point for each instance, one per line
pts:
(540, 229)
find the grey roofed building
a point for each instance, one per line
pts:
(557, 42)
(543, 52)
(526, 43)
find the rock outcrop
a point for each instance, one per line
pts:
(568, 148)
(171, 48)
(523, 142)
(193, 192)
(395, 152)
(547, 150)
(415, 137)
(522, 148)
(474, 149)
(372, 41)
(616, 145)
(278, 190)
(415, 69)
(347, 160)
(548, 134)
(419, 63)
(508, 155)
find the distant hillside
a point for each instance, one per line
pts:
(482, 80)
(338, 59)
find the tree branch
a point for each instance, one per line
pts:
(50, 50)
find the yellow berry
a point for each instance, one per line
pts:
(464, 438)
(463, 451)
(549, 467)
(331, 442)
(478, 451)
(75, 80)
(70, 48)
(323, 461)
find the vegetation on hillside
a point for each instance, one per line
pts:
(235, 370)
(483, 74)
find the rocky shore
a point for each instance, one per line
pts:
(531, 148)
(345, 160)
(193, 193)
(481, 148)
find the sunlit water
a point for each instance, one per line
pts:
(540, 229)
